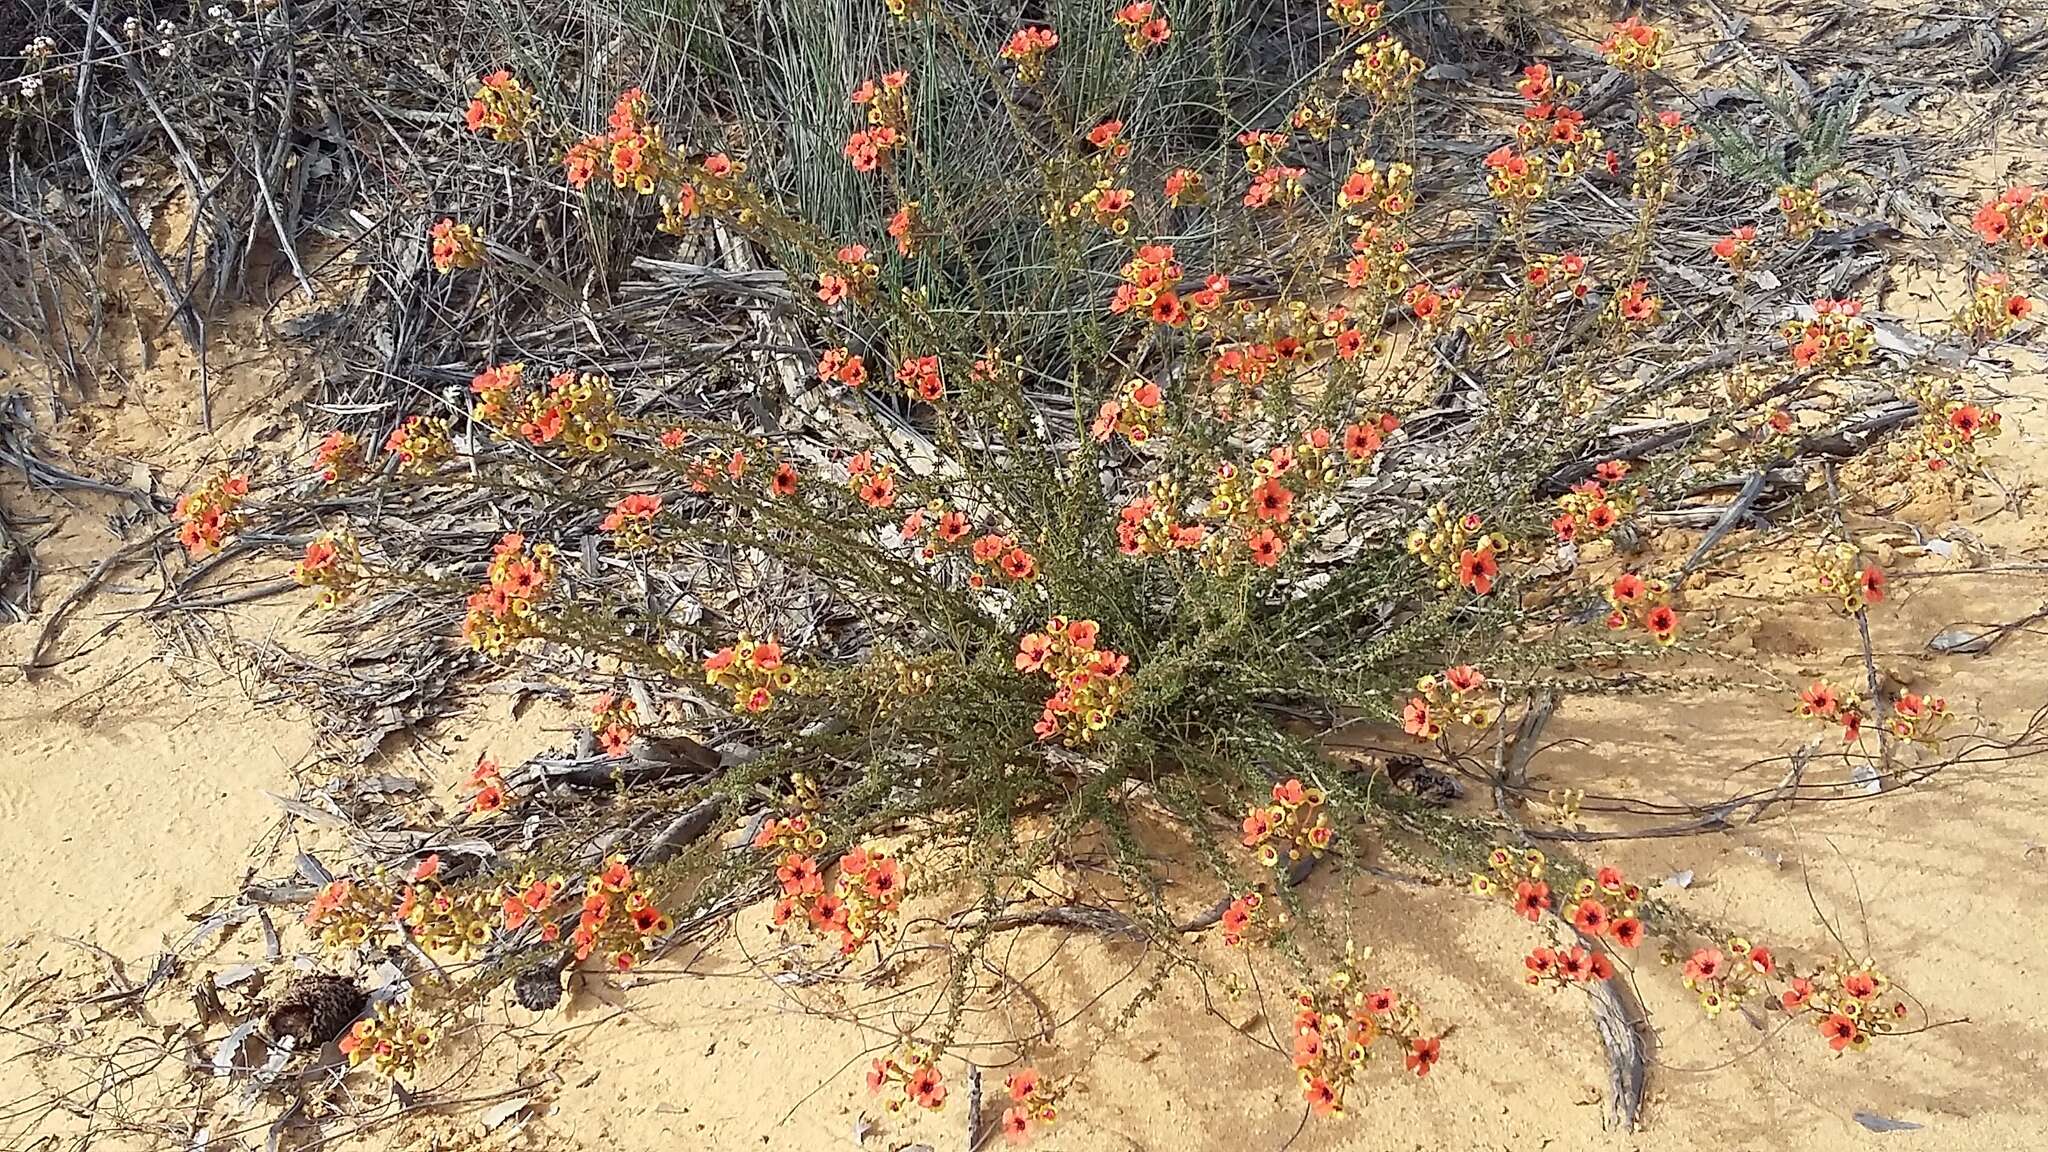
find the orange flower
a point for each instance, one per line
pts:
(1271, 501)
(1590, 917)
(884, 881)
(927, 1088)
(1419, 721)
(1532, 897)
(1627, 932)
(1839, 1031)
(1265, 547)
(1705, 966)
(1422, 1055)
(1797, 994)
(1019, 565)
(1662, 624)
(799, 875)
(489, 798)
(1477, 569)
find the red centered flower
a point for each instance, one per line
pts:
(1266, 547)
(1591, 918)
(1627, 932)
(927, 1088)
(1796, 996)
(1477, 569)
(1423, 1055)
(1531, 898)
(1839, 1031)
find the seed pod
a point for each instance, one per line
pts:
(315, 1009)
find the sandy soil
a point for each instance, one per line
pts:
(135, 781)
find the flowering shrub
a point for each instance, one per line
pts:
(1104, 480)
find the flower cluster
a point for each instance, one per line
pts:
(1144, 26)
(617, 919)
(907, 228)
(1275, 184)
(1737, 249)
(912, 1073)
(1603, 911)
(1519, 879)
(752, 671)
(1270, 503)
(1994, 309)
(1634, 46)
(1821, 700)
(921, 379)
(332, 563)
(844, 366)
(1551, 129)
(1027, 48)
(1457, 696)
(1150, 525)
(1839, 570)
(454, 925)
(631, 520)
(1135, 413)
(866, 895)
(1293, 827)
(575, 410)
(1337, 1026)
(421, 443)
(1918, 718)
(850, 277)
(529, 899)
(1638, 307)
(347, 914)
(632, 152)
(1723, 982)
(874, 484)
(888, 117)
(1950, 432)
(2016, 216)
(1098, 174)
(502, 106)
(1591, 510)
(1664, 136)
(1033, 1101)
(1241, 916)
(614, 718)
(1803, 212)
(208, 514)
(1647, 603)
(1384, 71)
(455, 246)
(1457, 550)
(1516, 177)
(1090, 680)
(1845, 1002)
(1000, 556)
(392, 1040)
(1183, 187)
(488, 783)
(1151, 278)
(340, 458)
(1836, 337)
(502, 612)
